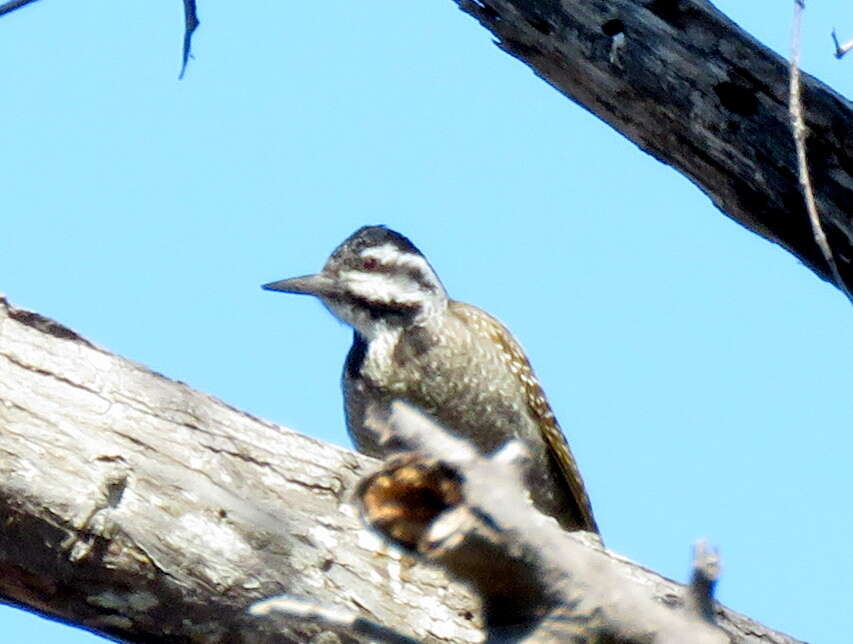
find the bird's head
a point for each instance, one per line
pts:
(375, 280)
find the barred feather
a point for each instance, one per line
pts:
(517, 362)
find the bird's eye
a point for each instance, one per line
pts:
(370, 263)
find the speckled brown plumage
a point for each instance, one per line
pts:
(468, 372)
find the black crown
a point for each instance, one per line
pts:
(372, 236)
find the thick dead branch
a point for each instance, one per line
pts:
(689, 87)
(144, 510)
(141, 509)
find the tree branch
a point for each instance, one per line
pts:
(141, 509)
(190, 25)
(146, 511)
(9, 7)
(689, 87)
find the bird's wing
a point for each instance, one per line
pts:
(517, 363)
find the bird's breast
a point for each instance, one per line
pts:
(453, 373)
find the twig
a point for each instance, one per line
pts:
(9, 7)
(190, 25)
(798, 126)
(332, 618)
(706, 571)
(840, 49)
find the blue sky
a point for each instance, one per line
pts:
(702, 374)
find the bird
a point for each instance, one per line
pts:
(450, 360)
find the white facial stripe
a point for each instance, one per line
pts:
(390, 255)
(377, 287)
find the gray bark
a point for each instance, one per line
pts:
(692, 89)
(538, 584)
(141, 509)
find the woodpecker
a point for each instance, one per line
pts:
(449, 359)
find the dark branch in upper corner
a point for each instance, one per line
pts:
(840, 49)
(9, 7)
(190, 25)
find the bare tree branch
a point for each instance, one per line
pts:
(689, 87)
(190, 25)
(692, 89)
(146, 511)
(9, 7)
(141, 509)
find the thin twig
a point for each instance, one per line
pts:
(706, 572)
(9, 7)
(840, 49)
(190, 25)
(332, 618)
(798, 126)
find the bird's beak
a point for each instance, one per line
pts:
(318, 285)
